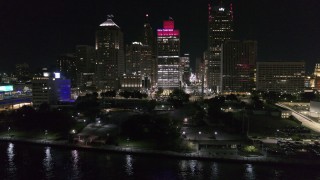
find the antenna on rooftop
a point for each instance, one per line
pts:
(110, 16)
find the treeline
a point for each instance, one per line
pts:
(44, 118)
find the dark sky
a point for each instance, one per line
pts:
(36, 32)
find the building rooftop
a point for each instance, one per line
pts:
(109, 22)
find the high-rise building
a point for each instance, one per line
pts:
(23, 72)
(220, 28)
(67, 65)
(50, 88)
(281, 76)
(185, 69)
(85, 62)
(168, 56)
(316, 83)
(238, 63)
(139, 61)
(110, 64)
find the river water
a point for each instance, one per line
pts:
(27, 161)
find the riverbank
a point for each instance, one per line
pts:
(194, 155)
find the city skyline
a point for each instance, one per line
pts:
(38, 33)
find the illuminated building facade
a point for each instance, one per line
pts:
(168, 56)
(220, 28)
(50, 88)
(110, 64)
(281, 76)
(238, 62)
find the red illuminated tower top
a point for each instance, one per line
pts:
(168, 29)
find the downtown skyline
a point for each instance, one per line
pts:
(37, 33)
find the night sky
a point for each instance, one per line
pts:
(36, 32)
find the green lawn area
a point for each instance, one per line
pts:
(260, 125)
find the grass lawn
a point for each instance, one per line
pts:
(260, 125)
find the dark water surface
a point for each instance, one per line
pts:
(27, 161)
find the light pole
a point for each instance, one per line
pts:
(215, 134)
(45, 134)
(9, 131)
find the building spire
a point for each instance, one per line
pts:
(110, 16)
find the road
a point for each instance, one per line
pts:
(306, 121)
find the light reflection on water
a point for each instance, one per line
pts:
(47, 163)
(249, 173)
(215, 170)
(20, 161)
(75, 164)
(129, 165)
(11, 164)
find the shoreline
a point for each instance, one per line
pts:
(170, 154)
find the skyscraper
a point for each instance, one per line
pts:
(110, 63)
(85, 61)
(238, 66)
(220, 28)
(168, 43)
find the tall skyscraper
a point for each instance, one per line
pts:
(149, 64)
(168, 43)
(85, 61)
(238, 66)
(220, 28)
(110, 64)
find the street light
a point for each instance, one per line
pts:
(185, 120)
(9, 131)
(45, 133)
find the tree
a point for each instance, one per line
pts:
(178, 97)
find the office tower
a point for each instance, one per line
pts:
(281, 76)
(148, 36)
(238, 66)
(110, 64)
(85, 62)
(139, 61)
(168, 56)
(23, 72)
(185, 69)
(67, 65)
(317, 77)
(220, 28)
(50, 88)
(149, 64)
